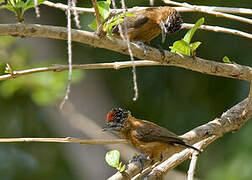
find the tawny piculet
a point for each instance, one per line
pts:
(144, 135)
(149, 23)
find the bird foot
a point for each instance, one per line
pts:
(161, 50)
(144, 46)
(139, 159)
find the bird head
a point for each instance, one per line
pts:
(116, 119)
(171, 24)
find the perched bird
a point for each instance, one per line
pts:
(149, 23)
(145, 136)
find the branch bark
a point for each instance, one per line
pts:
(234, 71)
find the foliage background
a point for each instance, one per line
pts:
(175, 98)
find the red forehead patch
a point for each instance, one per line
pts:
(110, 116)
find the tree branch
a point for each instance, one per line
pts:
(97, 14)
(192, 166)
(219, 29)
(218, 9)
(64, 140)
(59, 68)
(234, 71)
(209, 11)
(64, 7)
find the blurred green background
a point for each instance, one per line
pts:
(175, 98)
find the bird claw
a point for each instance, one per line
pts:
(139, 159)
(161, 50)
(144, 46)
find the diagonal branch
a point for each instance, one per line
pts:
(234, 71)
(176, 159)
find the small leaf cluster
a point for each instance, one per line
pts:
(104, 10)
(113, 160)
(184, 46)
(19, 7)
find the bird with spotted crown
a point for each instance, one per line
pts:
(144, 135)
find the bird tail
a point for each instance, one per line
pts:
(186, 145)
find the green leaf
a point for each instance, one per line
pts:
(108, 27)
(188, 37)
(113, 22)
(30, 4)
(195, 45)
(181, 47)
(93, 25)
(112, 158)
(128, 14)
(20, 6)
(121, 168)
(225, 59)
(104, 10)
(8, 69)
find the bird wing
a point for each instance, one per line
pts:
(133, 22)
(152, 132)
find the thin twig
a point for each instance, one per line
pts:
(219, 29)
(64, 7)
(151, 2)
(64, 140)
(59, 68)
(117, 20)
(208, 11)
(179, 9)
(76, 15)
(36, 8)
(130, 52)
(218, 9)
(97, 14)
(69, 50)
(192, 166)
